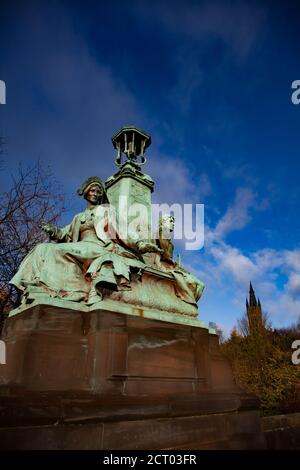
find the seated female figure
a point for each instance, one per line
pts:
(81, 263)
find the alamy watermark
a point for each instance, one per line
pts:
(2, 352)
(2, 92)
(296, 354)
(296, 94)
(137, 222)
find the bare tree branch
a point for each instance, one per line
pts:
(34, 198)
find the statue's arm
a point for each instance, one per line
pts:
(58, 234)
(129, 237)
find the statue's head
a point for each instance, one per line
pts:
(93, 190)
(166, 222)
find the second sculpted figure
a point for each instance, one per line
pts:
(187, 286)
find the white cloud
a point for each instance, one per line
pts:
(228, 270)
(237, 216)
(283, 310)
(293, 285)
(268, 259)
(234, 263)
(235, 270)
(174, 183)
(292, 259)
(172, 177)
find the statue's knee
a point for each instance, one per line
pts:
(39, 248)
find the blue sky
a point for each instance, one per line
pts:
(211, 83)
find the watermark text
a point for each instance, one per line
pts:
(2, 352)
(2, 92)
(296, 94)
(136, 222)
(296, 353)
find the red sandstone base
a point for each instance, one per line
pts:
(106, 380)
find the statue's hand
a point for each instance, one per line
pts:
(147, 247)
(50, 229)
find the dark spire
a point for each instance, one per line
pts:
(253, 301)
(247, 304)
(259, 306)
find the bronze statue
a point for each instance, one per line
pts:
(80, 264)
(187, 286)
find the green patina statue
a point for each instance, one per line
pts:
(80, 263)
(92, 261)
(187, 286)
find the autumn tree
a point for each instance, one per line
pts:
(243, 326)
(262, 365)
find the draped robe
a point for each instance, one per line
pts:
(64, 269)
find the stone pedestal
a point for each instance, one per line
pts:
(105, 380)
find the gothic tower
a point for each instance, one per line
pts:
(254, 313)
